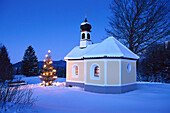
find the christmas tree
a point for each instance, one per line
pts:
(47, 73)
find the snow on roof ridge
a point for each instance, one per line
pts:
(125, 47)
(81, 52)
(89, 46)
(111, 37)
(105, 50)
(109, 47)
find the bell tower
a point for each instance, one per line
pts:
(85, 34)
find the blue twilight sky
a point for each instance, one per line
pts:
(49, 24)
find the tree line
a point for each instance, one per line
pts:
(29, 65)
(20, 97)
(139, 24)
(153, 66)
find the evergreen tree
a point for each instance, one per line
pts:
(17, 71)
(47, 73)
(6, 70)
(63, 72)
(58, 71)
(164, 62)
(154, 67)
(29, 65)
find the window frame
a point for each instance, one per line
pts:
(74, 71)
(92, 72)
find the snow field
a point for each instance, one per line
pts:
(148, 98)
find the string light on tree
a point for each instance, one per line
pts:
(49, 51)
(47, 74)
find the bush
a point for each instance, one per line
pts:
(19, 97)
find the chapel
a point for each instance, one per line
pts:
(106, 67)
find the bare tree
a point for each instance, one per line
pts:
(139, 23)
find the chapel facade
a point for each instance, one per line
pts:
(106, 67)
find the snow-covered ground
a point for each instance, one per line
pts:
(148, 98)
(34, 80)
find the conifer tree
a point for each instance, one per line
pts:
(154, 66)
(47, 73)
(29, 65)
(6, 70)
(17, 71)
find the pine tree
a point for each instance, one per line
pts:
(58, 71)
(63, 72)
(6, 70)
(47, 73)
(154, 67)
(17, 71)
(29, 65)
(164, 62)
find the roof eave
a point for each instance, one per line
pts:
(104, 57)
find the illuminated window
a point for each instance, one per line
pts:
(75, 71)
(96, 71)
(83, 36)
(88, 36)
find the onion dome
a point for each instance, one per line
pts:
(85, 26)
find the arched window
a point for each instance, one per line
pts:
(75, 71)
(88, 36)
(96, 71)
(83, 36)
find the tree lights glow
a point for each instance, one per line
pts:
(49, 51)
(47, 74)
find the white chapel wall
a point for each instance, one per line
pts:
(80, 65)
(113, 73)
(102, 72)
(128, 77)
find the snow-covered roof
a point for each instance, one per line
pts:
(110, 47)
(84, 23)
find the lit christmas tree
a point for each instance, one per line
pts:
(47, 74)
